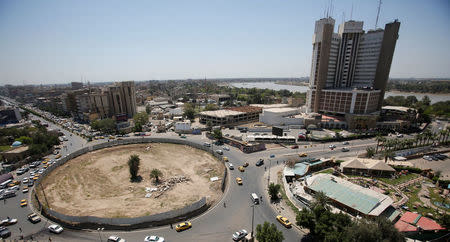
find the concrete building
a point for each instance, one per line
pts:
(370, 167)
(350, 69)
(280, 116)
(76, 85)
(122, 99)
(220, 97)
(9, 115)
(99, 105)
(231, 116)
(183, 127)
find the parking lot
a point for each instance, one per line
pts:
(436, 165)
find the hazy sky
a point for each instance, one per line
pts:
(61, 41)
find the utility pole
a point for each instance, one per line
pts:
(253, 216)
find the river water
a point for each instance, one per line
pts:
(272, 85)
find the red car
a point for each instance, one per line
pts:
(294, 147)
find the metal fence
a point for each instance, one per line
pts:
(166, 216)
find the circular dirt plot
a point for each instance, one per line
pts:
(98, 183)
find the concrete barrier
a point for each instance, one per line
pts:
(117, 223)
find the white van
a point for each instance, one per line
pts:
(255, 198)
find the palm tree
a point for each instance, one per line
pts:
(320, 200)
(388, 154)
(418, 139)
(156, 174)
(133, 164)
(379, 139)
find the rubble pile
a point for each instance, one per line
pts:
(168, 184)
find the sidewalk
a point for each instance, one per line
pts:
(281, 208)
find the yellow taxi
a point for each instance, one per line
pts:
(36, 177)
(303, 155)
(239, 180)
(23, 203)
(45, 166)
(183, 226)
(284, 221)
(44, 162)
(111, 137)
(241, 168)
(58, 156)
(225, 159)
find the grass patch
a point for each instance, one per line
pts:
(413, 199)
(435, 197)
(327, 171)
(4, 148)
(401, 179)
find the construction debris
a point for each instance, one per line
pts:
(168, 184)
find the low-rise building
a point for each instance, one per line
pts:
(281, 116)
(183, 127)
(367, 167)
(230, 116)
(9, 115)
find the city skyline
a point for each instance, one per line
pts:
(53, 42)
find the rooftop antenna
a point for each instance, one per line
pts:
(351, 12)
(378, 14)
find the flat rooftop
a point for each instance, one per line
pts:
(281, 110)
(359, 198)
(221, 113)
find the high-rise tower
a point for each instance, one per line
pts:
(350, 69)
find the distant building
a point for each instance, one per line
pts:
(9, 115)
(281, 116)
(122, 99)
(350, 69)
(220, 97)
(76, 85)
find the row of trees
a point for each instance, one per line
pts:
(422, 86)
(425, 138)
(424, 107)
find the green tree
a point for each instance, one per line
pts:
(217, 134)
(211, 107)
(268, 232)
(148, 109)
(133, 165)
(189, 111)
(25, 140)
(156, 174)
(274, 189)
(140, 119)
(370, 152)
(106, 125)
(387, 154)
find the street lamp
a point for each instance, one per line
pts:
(99, 234)
(253, 217)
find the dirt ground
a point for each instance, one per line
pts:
(98, 183)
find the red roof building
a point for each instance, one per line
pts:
(411, 222)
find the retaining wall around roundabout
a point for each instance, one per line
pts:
(92, 222)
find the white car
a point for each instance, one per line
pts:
(332, 146)
(345, 149)
(226, 148)
(231, 166)
(345, 143)
(239, 234)
(115, 238)
(8, 221)
(153, 238)
(427, 157)
(54, 228)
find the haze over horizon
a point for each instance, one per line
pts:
(57, 41)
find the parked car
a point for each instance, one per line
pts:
(226, 148)
(332, 146)
(8, 221)
(220, 152)
(230, 165)
(260, 162)
(115, 238)
(183, 226)
(294, 147)
(345, 149)
(54, 228)
(4, 232)
(345, 143)
(34, 218)
(427, 157)
(153, 238)
(239, 235)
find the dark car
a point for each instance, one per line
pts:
(4, 233)
(260, 162)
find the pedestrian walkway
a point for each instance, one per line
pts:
(281, 208)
